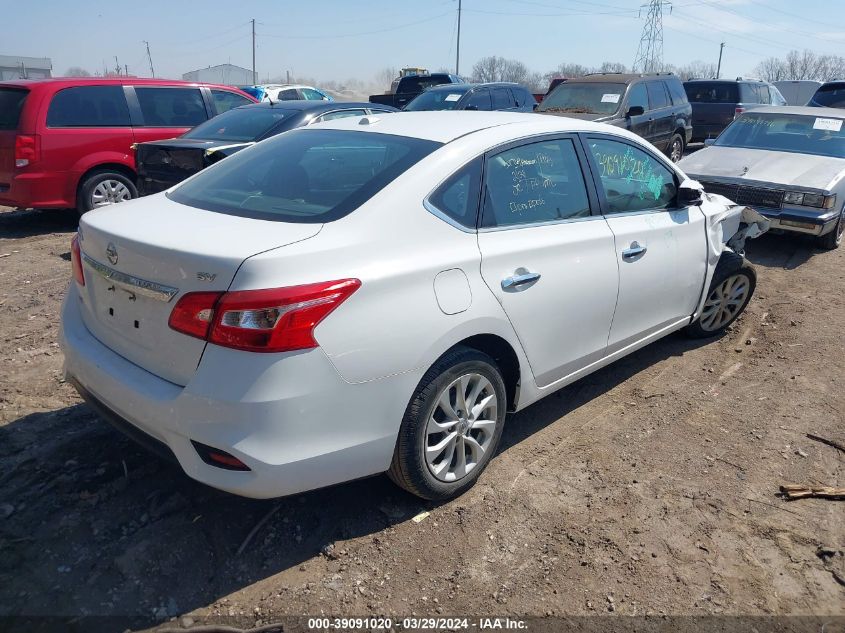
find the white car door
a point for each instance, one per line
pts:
(547, 256)
(661, 249)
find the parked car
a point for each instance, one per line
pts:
(292, 92)
(486, 97)
(66, 142)
(408, 87)
(554, 83)
(797, 93)
(717, 102)
(786, 162)
(370, 295)
(652, 106)
(829, 95)
(162, 164)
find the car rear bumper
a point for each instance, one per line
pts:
(803, 221)
(290, 417)
(39, 190)
(147, 185)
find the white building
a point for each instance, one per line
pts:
(226, 74)
(15, 67)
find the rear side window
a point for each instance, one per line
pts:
(537, 182)
(480, 99)
(313, 95)
(657, 95)
(89, 106)
(676, 91)
(458, 197)
(712, 92)
(171, 107)
(11, 106)
(289, 94)
(225, 100)
(303, 176)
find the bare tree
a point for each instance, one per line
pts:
(801, 65)
(613, 67)
(76, 71)
(694, 70)
(385, 76)
(495, 68)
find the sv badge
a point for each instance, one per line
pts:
(209, 277)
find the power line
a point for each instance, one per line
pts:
(649, 57)
(323, 36)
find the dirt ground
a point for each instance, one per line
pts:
(646, 488)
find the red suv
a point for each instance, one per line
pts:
(67, 142)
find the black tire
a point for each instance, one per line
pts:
(675, 151)
(832, 240)
(85, 193)
(409, 469)
(730, 265)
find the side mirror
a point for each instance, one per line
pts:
(709, 141)
(471, 107)
(690, 194)
(635, 111)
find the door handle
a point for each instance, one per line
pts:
(515, 281)
(634, 251)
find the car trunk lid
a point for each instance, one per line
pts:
(140, 257)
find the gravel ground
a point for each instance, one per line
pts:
(646, 488)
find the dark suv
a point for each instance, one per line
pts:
(717, 102)
(490, 96)
(653, 106)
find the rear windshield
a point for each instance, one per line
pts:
(820, 135)
(303, 176)
(712, 92)
(438, 99)
(584, 98)
(11, 106)
(422, 82)
(832, 96)
(240, 124)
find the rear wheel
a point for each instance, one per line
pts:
(833, 239)
(451, 427)
(676, 148)
(103, 188)
(730, 291)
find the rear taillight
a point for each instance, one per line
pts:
(273, 320)
(76, 261)
(26, 150)
(738, 111)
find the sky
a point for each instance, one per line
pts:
(342, 39)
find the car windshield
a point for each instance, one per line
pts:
(303, 176)
(584, 98)
(438, 99)
(11, 105)
(832, 96)
(239, 124)
(712, 91)
(802, 134)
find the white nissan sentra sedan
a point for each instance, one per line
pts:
(374, 294)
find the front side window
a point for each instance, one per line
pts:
(632, 179)
(638, 97)
(313, 95)
(458, 197)
(89, 106)
(501, 99)
(303, 176)
(289, 94)
(584, 98)
(171, 107)
(537, 182)
(821, 135)
(657, 95)
(225, 100)
(247, 124)
(480, 100)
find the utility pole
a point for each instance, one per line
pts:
(150, 58)
(116, 66)
(253, 52)
(719, 67)
(649, 57)
(458, 50)
(126, 69)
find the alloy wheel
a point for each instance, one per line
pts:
(725, 302)
(677, 151)
(461, 427)
(109, 192)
